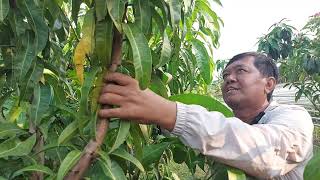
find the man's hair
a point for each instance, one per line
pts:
(264, 64)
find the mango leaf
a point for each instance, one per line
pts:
(69, 161)
(58, 89)
(165, 51)
(137, 140)
(205, 101)
(312, 170)
(25, 56)
(101, 9)
(152, 153)
(85, 46)
(4, 9)
(37, 168)
(68, 132)
(30, 81)
(175, 12)
(113, 172)
(11, 148)
(235, 174)
(142, 58)
(125, 155)
(158, 87)
(116, 11)
(35, 18)
(9, 130)
(205, 8)
(4, 97)
(123, 132)
(15, 111)
(84, 112)
(103, 35)
(142, 14)
(42, 98)
(75, 10)
(204, 62)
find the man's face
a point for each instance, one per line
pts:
(243, 84)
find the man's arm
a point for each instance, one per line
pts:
(263, 150)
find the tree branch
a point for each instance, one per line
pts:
(91, 150)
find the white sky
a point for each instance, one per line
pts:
(246, 20)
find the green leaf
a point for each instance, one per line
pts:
(5, 97)
(103, 35)
(9, 130)
(125, 155)
(204, 7)
(114, 171)
(158, 87)
(13, 148)
(75, 10)
(25, 56)
(204, 62)
(30, 81)
(68, 132)
(116, 11)
(84, 112)
(235, 174)
(205, 101)
(69, 161)
(42, 98)
(142, 14)
(4, 9)
(101, 9)
(123, 132)
(175, 12)
(166, 51)
(312, 170)
(37, 168)
(142, 58)
(35, 18)
(153, 152)
(59, 94)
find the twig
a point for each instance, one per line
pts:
(90, 151)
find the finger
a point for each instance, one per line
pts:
(111, 113)
(115, 89)
(119, 78)
(111, 99)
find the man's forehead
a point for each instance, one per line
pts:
(244, 62)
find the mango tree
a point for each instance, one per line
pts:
(54, 54)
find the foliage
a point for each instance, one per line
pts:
(53, 57)
(299, 56)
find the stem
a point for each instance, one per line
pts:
(91, 150)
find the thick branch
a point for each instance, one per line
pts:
(90, 151)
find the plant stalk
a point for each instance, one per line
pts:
(91, 149)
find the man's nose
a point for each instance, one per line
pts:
(230, 78)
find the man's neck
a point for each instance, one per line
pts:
(247, 114)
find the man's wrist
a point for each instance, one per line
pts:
(168, 119)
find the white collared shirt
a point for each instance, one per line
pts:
(278, 147)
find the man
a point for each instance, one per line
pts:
(265, 139)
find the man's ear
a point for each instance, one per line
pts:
(270, 84)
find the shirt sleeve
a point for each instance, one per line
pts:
(261, 150)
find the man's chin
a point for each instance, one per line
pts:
(232, 102)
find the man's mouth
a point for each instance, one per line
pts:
(231, 90)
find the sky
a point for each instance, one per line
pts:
(246, 20)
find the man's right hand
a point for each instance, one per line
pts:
(141, 106)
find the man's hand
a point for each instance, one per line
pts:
(141, 106)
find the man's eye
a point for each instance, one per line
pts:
(224, 76)
(242, 70)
